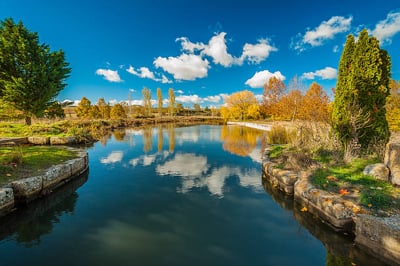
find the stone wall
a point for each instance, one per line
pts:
(26, 190)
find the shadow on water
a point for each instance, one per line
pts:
(340, 249)
(29, 223)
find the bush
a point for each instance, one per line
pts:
(280, 135)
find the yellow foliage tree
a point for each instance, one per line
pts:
(274, 90)
(240, 105)
(393, 106)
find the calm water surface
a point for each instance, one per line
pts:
(172, 196)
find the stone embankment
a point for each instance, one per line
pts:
(39, 141)
(23, 191)
(379, 235)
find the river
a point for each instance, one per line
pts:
(172, 196)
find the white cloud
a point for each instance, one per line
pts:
(335, 49)
(262, 77)
(256, 53)
(387, 28)
(108, 74)
(218, 50)
(326, 73)
(325, 31)
(184, 67)
(189, 99)
(213, 99)
(145, 72)
(113, 157)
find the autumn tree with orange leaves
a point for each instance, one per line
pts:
(274, 90)
(315, 104)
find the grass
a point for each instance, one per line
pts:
(349, 181)
(37, 129)
(25, 161)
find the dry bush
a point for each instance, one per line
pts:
(280, 135)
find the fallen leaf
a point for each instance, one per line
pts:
(331, 178)
(304, 209)
(343, 191)
(8, 174)
(369, 205)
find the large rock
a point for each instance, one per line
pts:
(6, 201)
(392, 160)
(380, 235)
(378, 170)
(282, 179)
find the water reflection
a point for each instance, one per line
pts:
(27, 225)
(113, 157)
(240, 140)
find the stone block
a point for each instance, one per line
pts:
(392, 161)
(379, 171)
(380, 235)
(6, 201)
(27, 189)
(39, 140)
(56, 174)
(63, 140)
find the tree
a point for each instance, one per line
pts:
(315, 104)
(146, 101)
(274, 90)
(238, 105)
(393, 106)
(160, 101)
(31, 76)
(94, 112)
(83, 109)
(197, 107)
(361, 91)
(171, 107)
(117, 112)
(104, 108)
(54, 111)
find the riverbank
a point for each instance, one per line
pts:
(23, 191)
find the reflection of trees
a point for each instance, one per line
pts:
(119, 134)
(160, 138)
(30, 223)
(239, 140)
(171, 137)
(147, 139)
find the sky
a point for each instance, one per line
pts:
(204, 50)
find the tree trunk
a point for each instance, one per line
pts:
(28, 120)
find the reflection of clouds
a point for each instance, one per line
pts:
(255, 155)
(147, 160)
(188, 135)
(133, 132)
(187, 164)
(113, 157)
(195, 173)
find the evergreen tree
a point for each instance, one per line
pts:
(31, 76)
(359, 115)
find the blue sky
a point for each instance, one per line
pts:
(202, 49)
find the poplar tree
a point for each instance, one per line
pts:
(31, 76)
(160, 101)
(171, 101)
(359, 115)
(146, 101)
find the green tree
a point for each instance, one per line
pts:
(171, 107)
(54, 111)
(31, 76)
(83, 109)
(359, 115)
(160, 101)
(117, 112)
(146, 101)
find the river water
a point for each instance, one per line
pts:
(172, 196)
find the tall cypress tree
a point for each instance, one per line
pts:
(362, 87)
